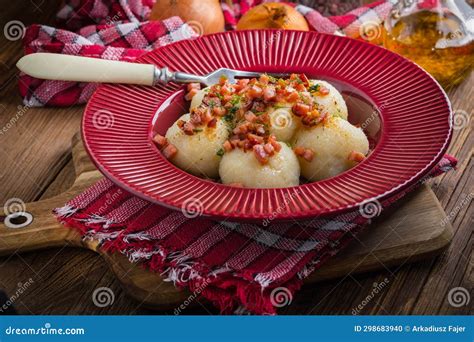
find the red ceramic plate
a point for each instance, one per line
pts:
(405, 113)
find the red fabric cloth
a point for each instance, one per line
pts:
(239, 267)
(118, 30)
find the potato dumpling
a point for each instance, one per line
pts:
(283, 123)
(331, 142)
(332, 103)
(197, 98)
(197, 153)
(282, 169)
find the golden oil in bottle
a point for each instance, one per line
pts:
(437, 40)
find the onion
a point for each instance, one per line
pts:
(204, 16)
(273, 15)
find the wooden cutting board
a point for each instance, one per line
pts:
(415, 229)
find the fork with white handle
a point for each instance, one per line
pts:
(51, 66)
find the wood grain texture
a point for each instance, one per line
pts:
(37, 164)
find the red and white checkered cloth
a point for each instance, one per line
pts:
(239, 267)
(118, 30)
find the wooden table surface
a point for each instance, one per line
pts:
(36, 164)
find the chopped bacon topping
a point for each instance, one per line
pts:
(189, 96)
(194, 86)
(305, 153)
(300, 109)
(356, 156)
(323, 90)
(227, 146)
(245, 106)
(169, 151)
(212, 123)
(160, 141)
(188, 128)
(260, 154)
(269, 94)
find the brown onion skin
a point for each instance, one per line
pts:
(207, 13)
(259, 17)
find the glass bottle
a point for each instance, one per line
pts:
(437, 35)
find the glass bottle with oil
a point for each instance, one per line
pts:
(437, 35)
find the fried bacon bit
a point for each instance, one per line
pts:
(269, 149)
(188, 128)
(241, 84)
(260, 154)
(323, 90)
(255, 92)
(212, 123)
(160, 141)
(276, 145)
(308, 155)
(255, 139)
(269, 94)
(304, 79)
(300, 109)
(264, 79)
(180, 123)
(299, 151)
(194, 86)
(219, 111)
(189, 96)
(250, 116)
(292, 96)
(227, 146)
(305, 153)
(356, 156)
(169, 151)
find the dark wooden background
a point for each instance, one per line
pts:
(36, 163)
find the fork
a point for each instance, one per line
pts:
(51, 66)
